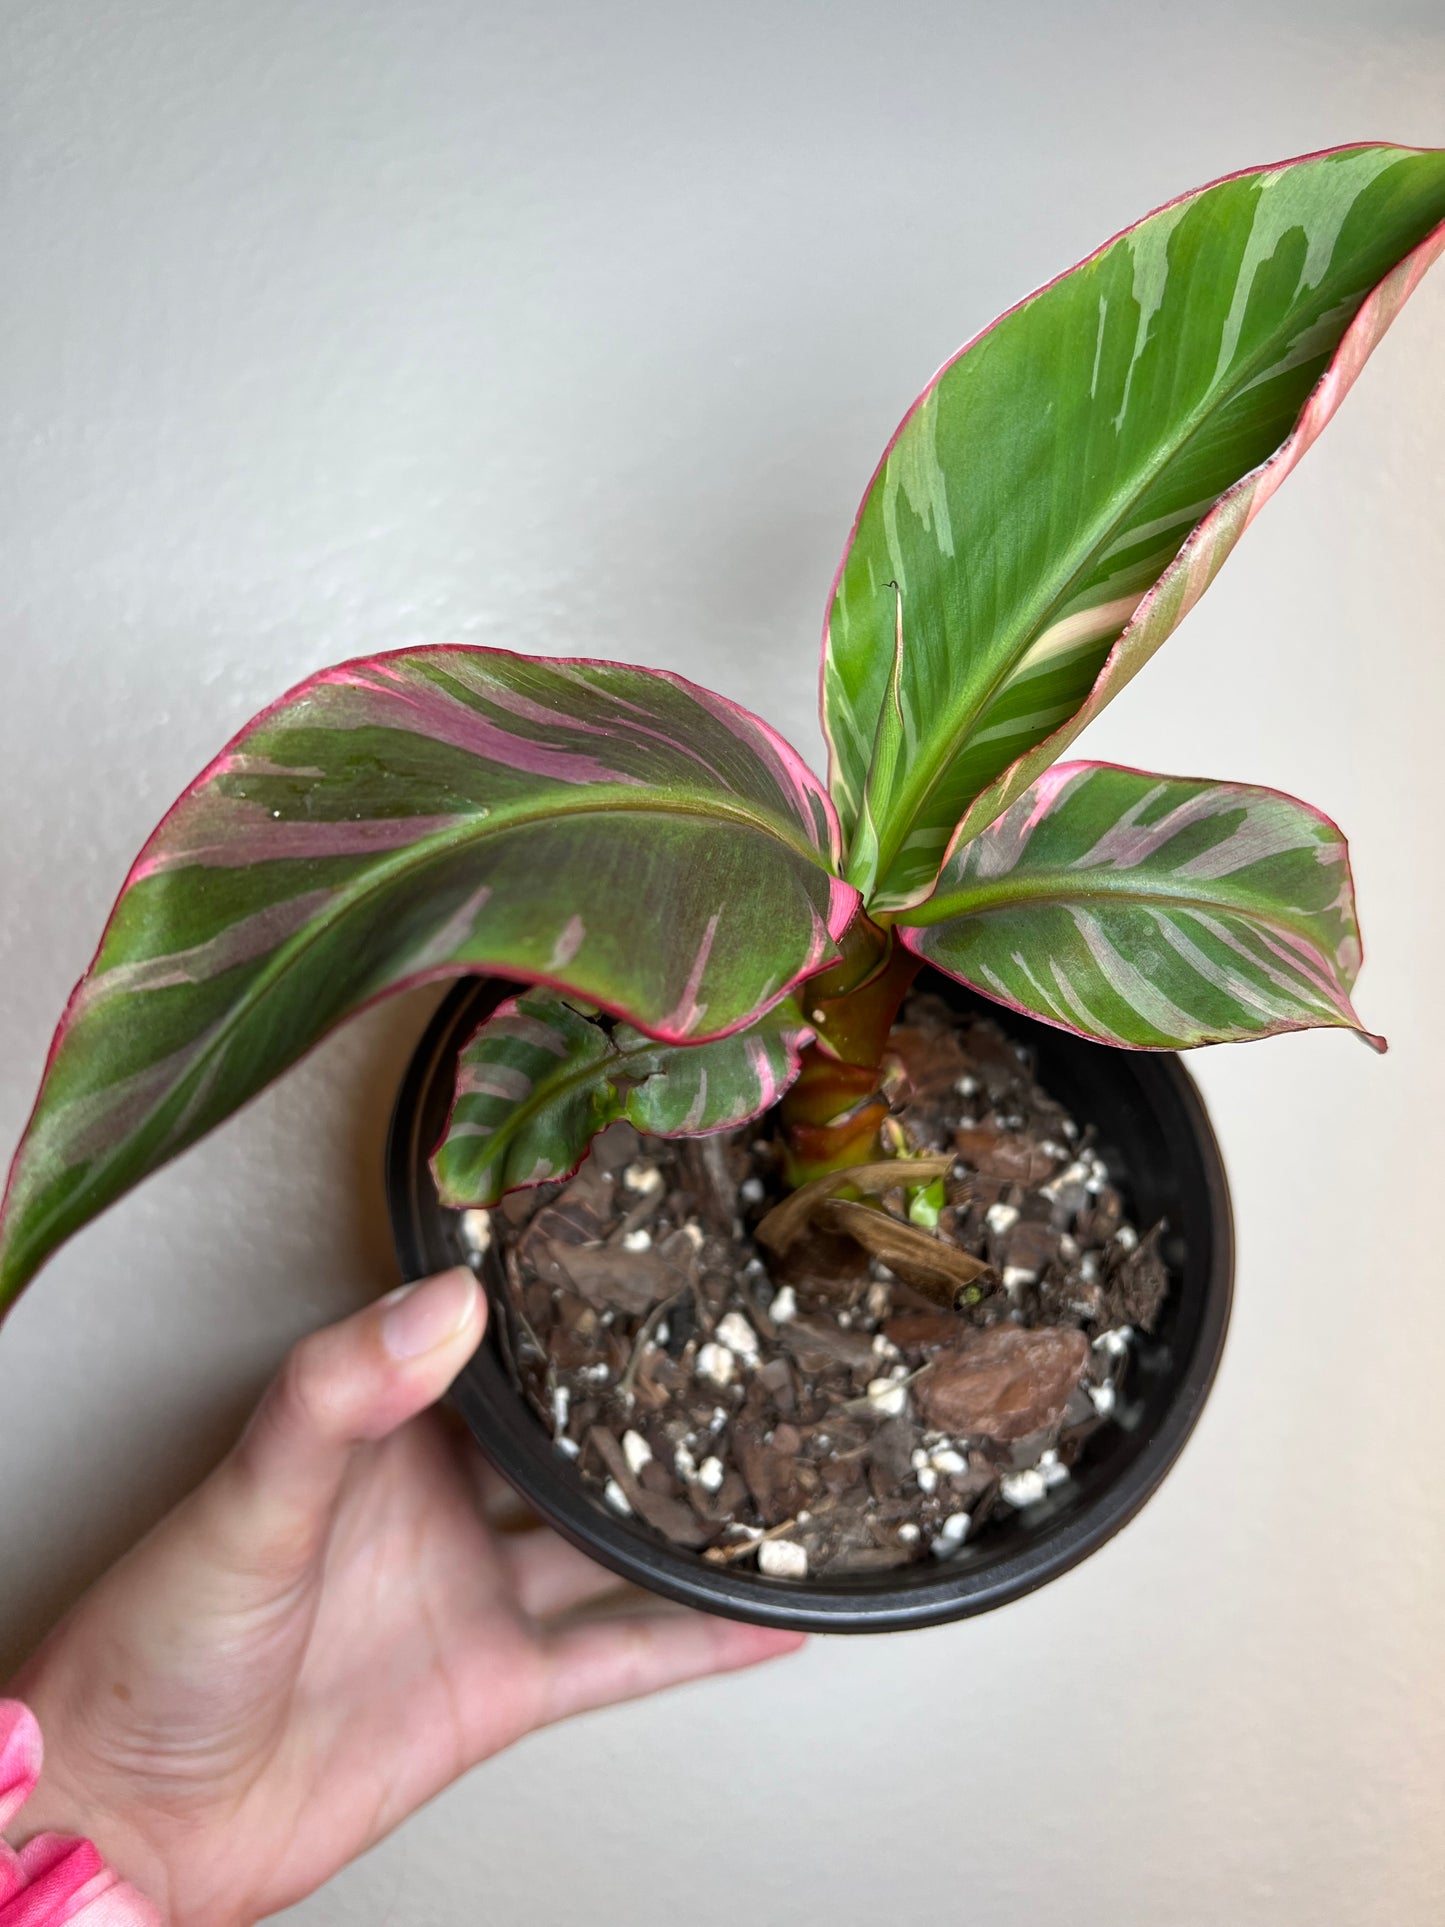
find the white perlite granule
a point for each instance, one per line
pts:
(737, 1334)
(782, 1559)
(1023, 1488)
(476, 1230)
(716, 1364)
(950, 1535)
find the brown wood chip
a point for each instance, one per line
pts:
(729, 1502)
(518, 1206)
(609, 1449)
(776, 1378)
(817, 1342)
(1098, 1224)
(999, 1154)
(891, 1449)
(609, 1277)
(1138, 1287)
(655, 1477)
(1030, 1245)
(924, 1330)
(619, 1144)
(772, 1476)
(1002, 1383)
(671, 1516)
(932, 1057)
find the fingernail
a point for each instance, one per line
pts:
(419, 1317)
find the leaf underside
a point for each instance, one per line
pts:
(1158, 912)
(1079, 473)
(539, 1079)
(429, 813)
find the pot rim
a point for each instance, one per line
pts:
(1063, 1530)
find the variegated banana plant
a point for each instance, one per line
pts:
(698, 925)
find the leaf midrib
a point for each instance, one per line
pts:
(426, 849)
(1002, 896)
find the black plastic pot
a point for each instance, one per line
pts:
(1152, 1129)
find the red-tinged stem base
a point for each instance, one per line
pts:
(834, 1111)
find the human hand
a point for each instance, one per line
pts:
(327, 1632)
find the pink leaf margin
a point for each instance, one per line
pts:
(1057, 778)
(1335, 383)
(791, 770)
(1211, 541)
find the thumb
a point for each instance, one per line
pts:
(268, 1506)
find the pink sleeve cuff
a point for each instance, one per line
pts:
(53, 1880)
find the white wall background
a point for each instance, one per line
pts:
(329, 325)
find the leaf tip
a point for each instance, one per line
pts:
(14, 1277)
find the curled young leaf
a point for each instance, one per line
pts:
(1152, 911)
(1068, 485)
(538, 1080)
(426, 814)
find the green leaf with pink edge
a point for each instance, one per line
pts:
(1066, 488)
(1157, 912)
(540, 1078)
(614, 831)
